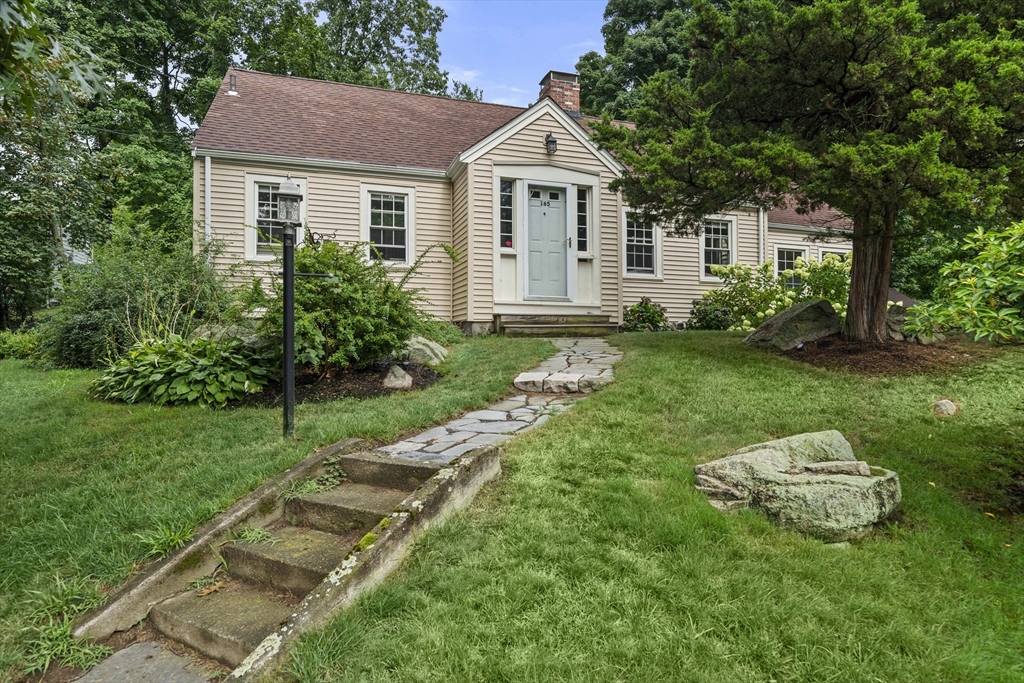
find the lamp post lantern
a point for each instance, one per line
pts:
(288, 198)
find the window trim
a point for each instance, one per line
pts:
(830, 249)
(804, 248)
(365, 189)
(251, 199)
(733, 253)
(657, 275)
(514, 249)
(591, 201)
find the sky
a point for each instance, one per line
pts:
(505, 47)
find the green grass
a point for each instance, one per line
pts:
(594, 559)
(89, 490)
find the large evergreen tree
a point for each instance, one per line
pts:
(881, 108)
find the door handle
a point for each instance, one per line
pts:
(568, 240)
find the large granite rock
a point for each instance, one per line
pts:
(397, 378)
(811, 483)
(425, 352)
(802, 322)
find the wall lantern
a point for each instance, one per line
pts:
(551, 143)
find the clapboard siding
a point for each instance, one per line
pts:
(332, 206)
(460, 240)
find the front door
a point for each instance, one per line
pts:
(547, 262)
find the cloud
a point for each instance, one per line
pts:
(459, 74)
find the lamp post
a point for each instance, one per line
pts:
(288, 198)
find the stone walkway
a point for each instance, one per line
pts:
(580, 366)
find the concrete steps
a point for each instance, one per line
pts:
(344, 510)
(293, 560)
(554, 325)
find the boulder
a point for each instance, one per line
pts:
(398, 378)
(945, 408)
(800, 323)
(425, 352)
(810, 483)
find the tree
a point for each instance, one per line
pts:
(880, 108)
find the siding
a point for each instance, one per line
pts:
(332, 206)
(527, 146)
(460, 240)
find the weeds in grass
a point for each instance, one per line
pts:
(164, 540)
(49, 635)
(332, 477)
(256, 535)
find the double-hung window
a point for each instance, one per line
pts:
(389, 222)
(785, 259)
(269, 229)
(640, 246)
(582, 220)
(717, 245)
(505, 221)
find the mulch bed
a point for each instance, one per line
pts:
(346, 383)
(894, 358)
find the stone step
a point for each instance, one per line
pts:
(585, 319)
(295, 560)
(594, 330)
(346, 509)
(225, 625)
(375, 469)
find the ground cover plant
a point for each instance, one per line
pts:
(594, 559)
(89, 490)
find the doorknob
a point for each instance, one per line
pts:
(568, 240)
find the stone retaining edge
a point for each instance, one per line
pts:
(131, 604)
(451, 489)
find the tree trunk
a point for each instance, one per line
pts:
(867, 307)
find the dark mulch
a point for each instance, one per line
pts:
(347, 383)
(894, 358)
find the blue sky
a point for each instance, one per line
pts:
(506, 46)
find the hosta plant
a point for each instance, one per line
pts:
(175, 370)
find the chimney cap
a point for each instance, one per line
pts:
(564, 76)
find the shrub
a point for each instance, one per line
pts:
(707, 316)
(22, 345)
(983, 296)
(440, 331)
(175, 370)
(753, 294)
(355, 316)
(645, 316)
(129, 292)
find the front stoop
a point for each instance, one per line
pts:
(554, 325)
(325, 549)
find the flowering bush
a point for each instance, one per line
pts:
(753, 294)
(645, 316)
(983, 296)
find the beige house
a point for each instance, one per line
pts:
(522, 194)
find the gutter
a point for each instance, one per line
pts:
(307, 163)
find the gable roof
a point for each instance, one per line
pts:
(825, 218)
(324, 120)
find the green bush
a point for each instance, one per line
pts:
(130, 292)
(753, 294)
(707, 316)
(22, 345)
(173, 371)
(440, 331)
(355, 316)
(983, 296)
(645, 316)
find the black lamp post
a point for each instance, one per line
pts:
(288, 198)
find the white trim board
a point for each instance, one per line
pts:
(355, 167)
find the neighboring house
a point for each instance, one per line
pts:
(521, 193)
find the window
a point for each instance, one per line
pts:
(388, 226)
(582, 216)
(269, 230)
(785, 259)
(639, 246)
(840, 254)
(505, 214)
(717, 245)
(554, 196)
(534, 194)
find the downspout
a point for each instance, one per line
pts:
(760, 234)
(207, 225)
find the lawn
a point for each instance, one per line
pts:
(87, 488)
(594, 559)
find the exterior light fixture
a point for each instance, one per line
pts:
(288, 197)
(551, 142)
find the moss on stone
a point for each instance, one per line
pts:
(365, 542)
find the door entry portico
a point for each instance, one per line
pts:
(547, 244)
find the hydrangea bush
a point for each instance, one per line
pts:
(645, 316)
(752, 294)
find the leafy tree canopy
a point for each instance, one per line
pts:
(880, 108)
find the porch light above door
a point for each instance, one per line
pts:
(551, 142)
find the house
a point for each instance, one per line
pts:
(522, 194)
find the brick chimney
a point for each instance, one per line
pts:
(564, 89)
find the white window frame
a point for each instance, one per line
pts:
(516, 234)
(365, 190)
(591, 197)
(658, 241)
(830, 249)
(802, 248)
(251, 198)
(733, 254)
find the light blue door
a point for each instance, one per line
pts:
(548, 245)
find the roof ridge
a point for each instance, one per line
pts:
(370, 87)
